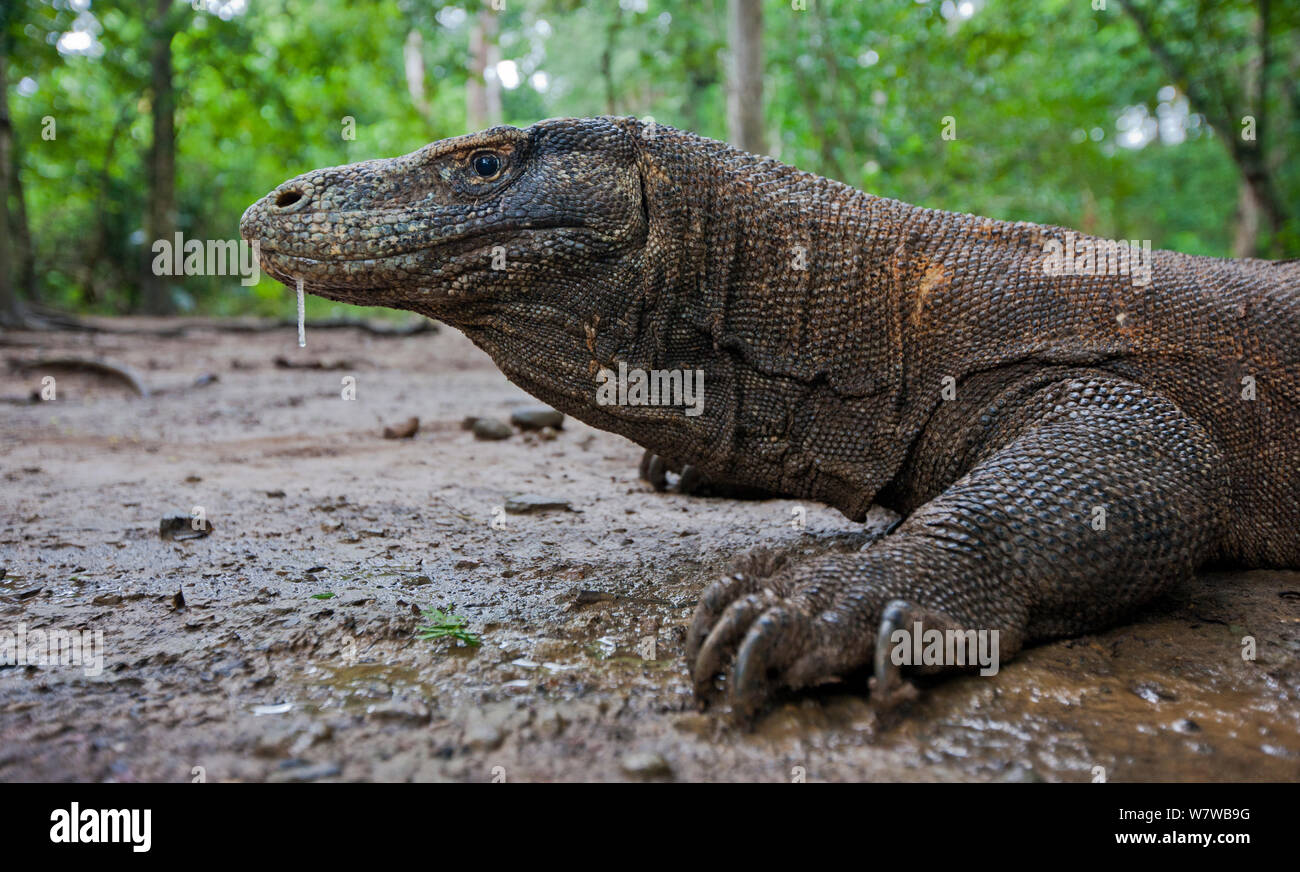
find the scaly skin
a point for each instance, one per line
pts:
(855, 349)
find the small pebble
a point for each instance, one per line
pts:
(491, 428)
(647, 764)
(524, 504)
(405, 430)
(536, 418)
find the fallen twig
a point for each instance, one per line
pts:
(98, 365)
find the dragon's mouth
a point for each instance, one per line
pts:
(332, 258)
(429, 262)
(344, 274)
(444, 247)
(413, 237)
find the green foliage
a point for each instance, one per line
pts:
(857, 91)
(442, 625)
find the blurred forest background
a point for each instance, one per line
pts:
(126, 121)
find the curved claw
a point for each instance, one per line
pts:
(761, 651)
(654, 470)
(728, 630)
(886, 674)
(888, 688)
(713, 602)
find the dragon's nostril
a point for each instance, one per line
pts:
(288, 198)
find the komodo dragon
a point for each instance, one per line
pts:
(1063, 444)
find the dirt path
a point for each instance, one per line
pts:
(260, 675)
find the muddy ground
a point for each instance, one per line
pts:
(294, 654)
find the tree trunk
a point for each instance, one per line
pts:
(1245, 238)
(413, 55)
(11, 314)
(24, 253)
(607, 61)
(483, 90)
(745, 75)
(24, 258)
(1250, 162)
(1209, 95)
(160, 214)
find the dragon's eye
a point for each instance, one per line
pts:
(486, 164)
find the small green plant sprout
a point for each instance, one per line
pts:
(442, 624)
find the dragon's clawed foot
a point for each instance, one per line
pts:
(665, 475)
(764, 627)
(767, 626)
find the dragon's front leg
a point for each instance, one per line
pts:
(1100, 496)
